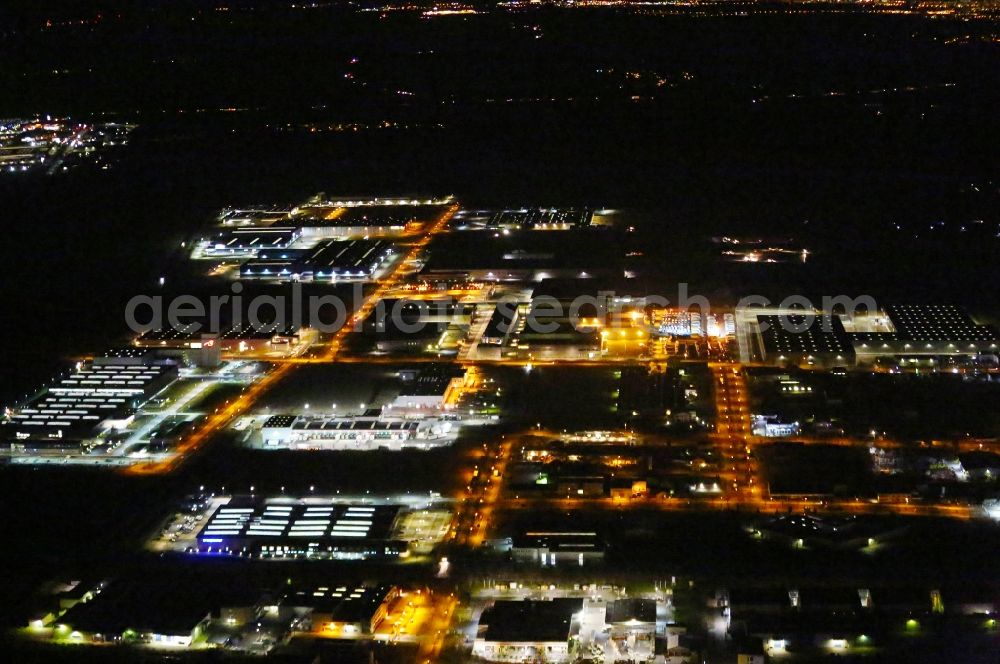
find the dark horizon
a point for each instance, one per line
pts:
(730, 485)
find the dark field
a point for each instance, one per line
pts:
(905, 407)
(714, 545)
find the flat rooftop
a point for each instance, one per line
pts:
(586, 250)
(619, 287)
(346, 254)
(253, 238)
(330, 423)
(823, 335)
(149, 607)
(75, 403)
(537, 621)
(560, 541)
(275, 522)
(543, 218)
(194, 331)
(937, 322)
(344, 603)
(633, 609)
(430, 380)
(367, 216)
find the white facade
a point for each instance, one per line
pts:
(544, 651)
(355, 434)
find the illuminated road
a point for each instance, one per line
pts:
(481, 494)
(733, 429)
(437, 630)
(768, 506)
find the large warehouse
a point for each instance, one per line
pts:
(522, 256)
(290, 529)
(528, 630)
(924, 331)
(922, 334)
(77, 405)
(328, 432)
(797, 339)
(329, 260)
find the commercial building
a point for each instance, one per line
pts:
(87, 399)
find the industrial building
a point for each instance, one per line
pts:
(249, 526)
(255, 215)
(417, 417)
(533, 630)
(546, 337)
(77, 405)
(552, 548)
(414, 326)
(430, 388)
(365, 433)
(522, 256)
(798, 339)
(542, 218)
(369, 218)
(200, 348)
(341, 609)
(921, 332)
(923, 335)
(177, 616)
(502, 323)
(527, 630)
(329, 260)
(247, 242)
(139, 613)
(282, 241)
(771, 426)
